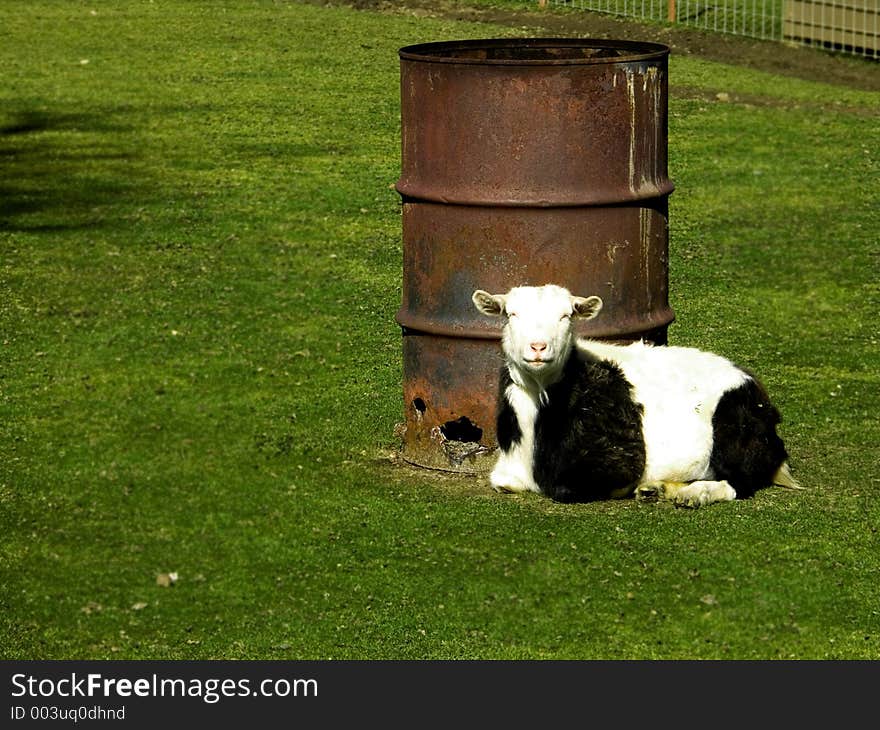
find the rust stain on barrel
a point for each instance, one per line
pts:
(524, 161)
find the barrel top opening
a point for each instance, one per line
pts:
(534, 51)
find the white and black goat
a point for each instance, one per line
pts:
(581, 419)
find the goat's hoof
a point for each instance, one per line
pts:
(649, 492)
(687, 502)
(508, 488)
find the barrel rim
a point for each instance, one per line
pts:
(433, 52)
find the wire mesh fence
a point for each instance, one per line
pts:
(851, 26)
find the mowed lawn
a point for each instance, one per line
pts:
(200, 371)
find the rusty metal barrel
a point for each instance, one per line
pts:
(524, 162)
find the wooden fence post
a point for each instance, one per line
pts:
(671, 15)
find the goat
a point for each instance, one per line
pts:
(580, 419)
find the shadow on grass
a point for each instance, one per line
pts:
(63, 171)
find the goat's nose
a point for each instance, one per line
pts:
(538, 347)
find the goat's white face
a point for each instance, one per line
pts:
(537, 335)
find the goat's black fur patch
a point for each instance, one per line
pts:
(507, 426)
(746, 449)
(588, 433)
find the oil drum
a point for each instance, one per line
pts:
(523, 162)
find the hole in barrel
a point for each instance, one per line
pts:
(419, 405)
(461, 429)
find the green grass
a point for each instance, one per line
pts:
(200, 370)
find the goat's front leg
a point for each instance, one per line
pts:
(512, 474)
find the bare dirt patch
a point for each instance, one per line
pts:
(772, 56)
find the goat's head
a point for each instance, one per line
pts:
(537, 336)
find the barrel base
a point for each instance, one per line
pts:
(450, 388)
(441, 454)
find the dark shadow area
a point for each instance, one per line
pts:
(62, 171)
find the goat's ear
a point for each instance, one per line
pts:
(585, 307)
(491, 304)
